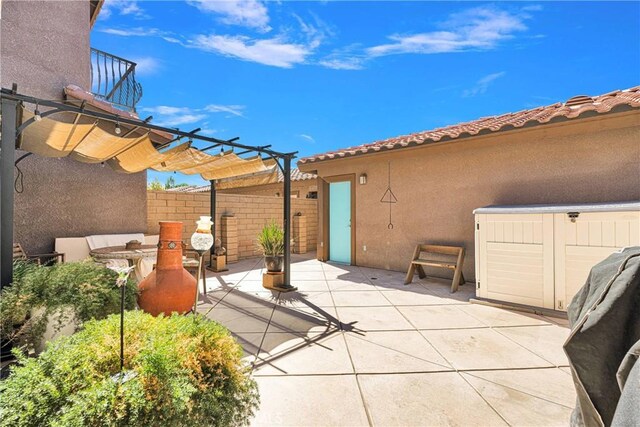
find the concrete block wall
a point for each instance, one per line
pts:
(249, 213)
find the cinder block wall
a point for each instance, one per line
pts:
(252, 213)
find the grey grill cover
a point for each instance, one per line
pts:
(605, 325)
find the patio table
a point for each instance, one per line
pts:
(133, 256)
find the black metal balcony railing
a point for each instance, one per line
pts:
(114, 80)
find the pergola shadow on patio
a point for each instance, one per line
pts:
(355, 346)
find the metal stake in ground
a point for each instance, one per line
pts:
(121, 282)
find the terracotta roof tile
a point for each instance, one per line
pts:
(573, 108)
(77, 93)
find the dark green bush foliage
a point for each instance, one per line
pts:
(180, 370)
(88, 288)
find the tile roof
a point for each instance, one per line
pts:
(190, 189)
(572, 109)
(296, 175)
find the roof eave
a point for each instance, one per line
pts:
(308, 165)
(94, 10)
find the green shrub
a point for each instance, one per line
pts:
(271, 239)
(180, 371)
(86, 287)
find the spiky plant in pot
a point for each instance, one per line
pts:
(271, 243)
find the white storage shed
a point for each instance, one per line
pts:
(541, 255)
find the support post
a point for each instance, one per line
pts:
(7, 158)
(287, 221)
(212, 212)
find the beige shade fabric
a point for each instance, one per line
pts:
(143, 156)
(270, 176)
(87, 143)
(240, 167)
(223, 165)
(50, 138)
(188, 159)
(91, 141)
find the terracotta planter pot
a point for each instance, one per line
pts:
(169, 288)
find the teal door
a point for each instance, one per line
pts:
(340, 222)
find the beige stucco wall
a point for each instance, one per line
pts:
(252, 213)
(438, 186)
(298, 189)
(45, 46)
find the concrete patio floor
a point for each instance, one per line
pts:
(355, 346)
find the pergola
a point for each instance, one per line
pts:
(125, 145)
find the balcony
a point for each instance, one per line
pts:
(113, 79)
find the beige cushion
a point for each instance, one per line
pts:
(73, 248)
(151, 239)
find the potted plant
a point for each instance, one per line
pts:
(271, 243)
(178, 371)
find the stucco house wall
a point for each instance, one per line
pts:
(439, 185)
(45, 46)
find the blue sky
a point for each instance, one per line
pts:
(315, 76)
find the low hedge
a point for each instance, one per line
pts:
(179, 371)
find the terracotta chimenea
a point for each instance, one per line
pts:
(169, 288)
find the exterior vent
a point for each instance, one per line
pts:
(578, 100)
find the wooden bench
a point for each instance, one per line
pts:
(418, 263)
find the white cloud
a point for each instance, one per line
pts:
(307, 137)
(349, 57)
(274, 51)
(285, 50)
(132, 32)
(183, 119)
(236, 110)
(170, 116)
(146, 65)
(347, 63)
(533, 8)
(166, 110)
(483, 84)
(315, 33)
(122, 7)
(246, 13)
(173, 116)
(480, 28)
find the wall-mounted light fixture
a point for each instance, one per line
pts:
(363, 179)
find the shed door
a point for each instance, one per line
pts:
(582, 244)
(516, 258)
(340, 222)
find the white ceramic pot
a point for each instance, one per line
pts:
(55, 327)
